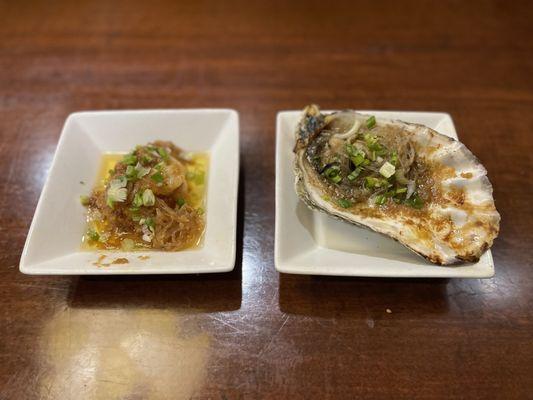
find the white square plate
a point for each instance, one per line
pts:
(53, 245)
(310, 242)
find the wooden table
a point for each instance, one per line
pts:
(253, 333)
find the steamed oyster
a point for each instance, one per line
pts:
(406, 181)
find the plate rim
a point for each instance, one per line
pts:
(30, 268)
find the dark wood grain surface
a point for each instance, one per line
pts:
(252, 333)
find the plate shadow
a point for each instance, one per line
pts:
(192, 292)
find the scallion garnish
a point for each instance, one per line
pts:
(131, 173)
(414, 201)
(130, 159)
(117, 191)
(387, 169)
(371, 122)
(137, 200)
(141, 171)
(93, 235)
(157, 177)
(372, 183)
(381, 199)
(333, 174)
(163, 153)
(336, 179)
(354, 174)
(84, 200)
(357, 156)
(148, 198)
(350, 149)
(344, 203)
(394, 159)
(149, 222)
(180, 202)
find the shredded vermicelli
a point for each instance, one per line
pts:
(152, 198)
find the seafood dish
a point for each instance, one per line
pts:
(150, 198)
(406, 181)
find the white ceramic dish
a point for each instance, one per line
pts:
(53, 243)
(310, 242)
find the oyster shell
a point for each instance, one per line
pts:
(406, 181)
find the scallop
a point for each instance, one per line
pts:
(403, 180)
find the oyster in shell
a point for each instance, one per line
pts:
(406, 181)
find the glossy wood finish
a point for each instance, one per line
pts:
(253, 333)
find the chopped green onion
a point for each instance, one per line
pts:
(147, 159)
(148, 198)
(381, 199)
(354, 174)
(336, 179)
(149, 222)
(358, 157)
(372, 183)
(157, 177)
(163, 153)
(180, 202)
(137, 200)
(370, 140)
(374, 146)
(401, 190)
(326, 198)
(119, 181)
(333, 174)
(387, 170)
(93, 235)
(84, 200)
(130, 159)
(131, 173)
(371, 122)
(200, 211)
(141, 171)
(414, 201)
(117, 191)
(349, 149)
(344, 203)
(394, 159)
